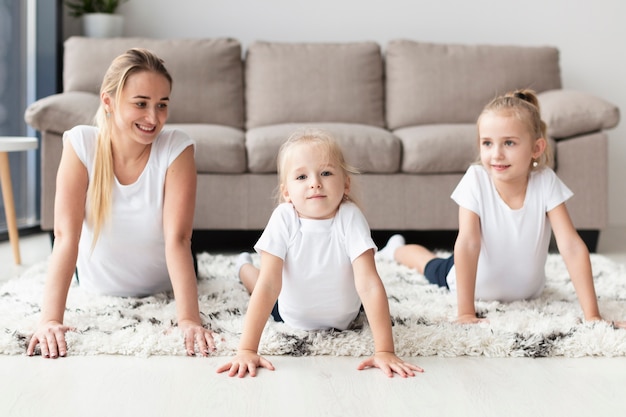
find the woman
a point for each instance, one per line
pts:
(124, 205)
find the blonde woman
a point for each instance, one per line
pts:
(124, 205)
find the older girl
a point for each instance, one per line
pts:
(508, 205)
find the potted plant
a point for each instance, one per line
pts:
(99, 18)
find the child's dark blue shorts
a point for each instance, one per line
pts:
(436, 270)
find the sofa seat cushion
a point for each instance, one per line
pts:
(437, 149)
(428, 83)
(219, 149)
(369, 149)
(314, 82)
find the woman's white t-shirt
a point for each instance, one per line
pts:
(318, 290)
(129, 256)
(514, 244)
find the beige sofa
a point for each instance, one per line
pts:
(404, 115)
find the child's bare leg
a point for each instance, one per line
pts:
(414, 256)
(248, 273)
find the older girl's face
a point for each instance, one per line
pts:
(314, 185)
(507, 147)
(142, 109)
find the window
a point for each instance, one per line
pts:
(28, 41)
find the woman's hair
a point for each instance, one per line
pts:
(99, 193)
(324, 143)
(523, 105)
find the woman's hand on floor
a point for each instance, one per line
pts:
(196, 335)
(50, 337)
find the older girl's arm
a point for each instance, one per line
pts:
(466, 252)
(576, 257)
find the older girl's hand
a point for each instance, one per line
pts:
(196, 335)
(619, 324)
(50, 337)
(470, 319)
(389, 363)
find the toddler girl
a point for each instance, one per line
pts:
(317, 259)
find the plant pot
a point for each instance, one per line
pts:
(103, 25)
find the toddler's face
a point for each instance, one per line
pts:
(314, 185)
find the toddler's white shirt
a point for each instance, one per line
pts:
(318, 290)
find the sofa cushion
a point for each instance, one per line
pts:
(219, 149)
(314, 82)
(60, 112)
(369, 149)
(207, 74)
(436, 149)
(570, 113)
(446, 83)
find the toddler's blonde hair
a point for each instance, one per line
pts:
(324, 143)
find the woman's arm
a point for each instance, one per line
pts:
(69, 212)
(374, 298)
(262, 300)
(178, 212)
(576, 257)
(466, 252)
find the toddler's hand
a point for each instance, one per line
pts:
(389, 363)
(245, 361)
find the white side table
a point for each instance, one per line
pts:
(12, 144)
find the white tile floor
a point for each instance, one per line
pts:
(308, 386)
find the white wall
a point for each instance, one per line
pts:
(589, 34)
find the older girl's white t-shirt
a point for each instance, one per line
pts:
(129, 256)
(318, 290)
(514, 244)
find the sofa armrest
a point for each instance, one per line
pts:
(60, 112)
(570, 113)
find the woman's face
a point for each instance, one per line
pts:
(142, 109)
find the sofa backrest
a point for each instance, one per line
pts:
(207, 74)
(429, 83)
(314, 82)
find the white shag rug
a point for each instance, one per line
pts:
(550, 325)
